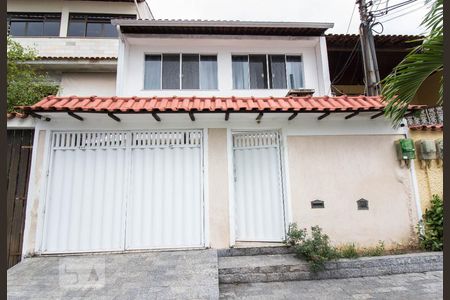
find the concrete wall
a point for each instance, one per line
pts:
(88, 84)
(342, 169)
(131, 61)
(219, 219)
(430, 180)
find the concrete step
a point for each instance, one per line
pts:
(286, 267)
(262, 268)
(251, 251)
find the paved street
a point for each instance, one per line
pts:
(423, 286)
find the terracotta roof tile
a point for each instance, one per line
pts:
(435, 127)
(149, 104)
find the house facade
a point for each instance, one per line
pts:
(217, 134)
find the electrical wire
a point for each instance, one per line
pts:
(407, 13)
(382, 12)
(346, 64)
(351, 18)
(401, 10)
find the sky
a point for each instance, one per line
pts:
(404, 20)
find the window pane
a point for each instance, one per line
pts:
(294, 66)
(171, 71)
(94, 29)
(109, 30)
(35, 28)
(190, 71)
(17, 28)
(76, 28)
(240, 71)
(208, 72)
(152, 77)
(277, 75)
(258, 71)
(51, 27)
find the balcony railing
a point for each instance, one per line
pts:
(428, 116)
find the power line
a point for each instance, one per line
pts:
(351, 18)
(407, 13)
(401, 10)
(381, 12)
(346, 64)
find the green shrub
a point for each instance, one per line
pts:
(375, 251)
(348, 251)
(431, 237)
(315, 249)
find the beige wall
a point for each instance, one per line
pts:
(219, 225)
(429, 179)
(88, 84)
(342, 169)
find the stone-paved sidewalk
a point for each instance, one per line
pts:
(410, 286)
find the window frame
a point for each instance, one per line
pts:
(268, 70)
(27, 17)
(101, 17)
(180, 54)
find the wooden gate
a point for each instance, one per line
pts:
(19, 151)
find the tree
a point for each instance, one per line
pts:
(24, 85)
(400, 87)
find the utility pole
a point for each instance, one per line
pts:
(371, 74)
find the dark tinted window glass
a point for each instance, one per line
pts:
(240, 71)
(152, 77)
(94, 25)
(277, 74)
(171, 71)
(208, 72)
(76, 28)
(258, 71)
(17, 28)
(294, 66)
(94, 29)
(51, 27)
(190, 71)
(109, 30)
(35, 28)
(34, 24)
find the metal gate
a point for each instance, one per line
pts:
(18, 158)
(114, 191)
(258, 186)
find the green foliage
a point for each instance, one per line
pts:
(432, 237)
(348, 251)
(315, 249)
(400, 87)
(375, 251)
(24, 85)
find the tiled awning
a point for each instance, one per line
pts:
(208, 104)
(227, 105)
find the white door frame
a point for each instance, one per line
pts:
(287, 217)
(46, 170)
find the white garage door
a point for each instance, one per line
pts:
(124, 190)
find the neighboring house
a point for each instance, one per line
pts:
(346, 76)
(77, 47)
(205, 142)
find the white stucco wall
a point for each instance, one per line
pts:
(131, 61)
(88, 84)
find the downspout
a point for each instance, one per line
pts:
(414, 180)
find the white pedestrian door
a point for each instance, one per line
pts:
(258, 187)
(122, 190)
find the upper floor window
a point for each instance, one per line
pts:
(261, 71)
(180, 71)
(89, 25)
(34, 24)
